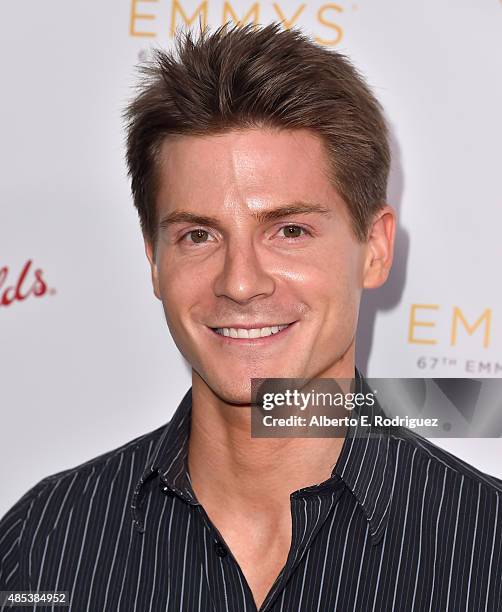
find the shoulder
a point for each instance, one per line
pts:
(124, 462)
(438, 455)
(137, 449)
(45, 504)
(444, 473)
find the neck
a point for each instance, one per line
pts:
(224, 459)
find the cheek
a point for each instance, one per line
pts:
(187, 272)
(177, 293)
(179, 278)
(331, 275)
(334, 288)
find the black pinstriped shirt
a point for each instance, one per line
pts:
(401, 525)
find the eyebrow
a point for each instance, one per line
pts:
(265, 216)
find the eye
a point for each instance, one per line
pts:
(292, 231)
(196, 236)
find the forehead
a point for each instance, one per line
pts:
(252, 164)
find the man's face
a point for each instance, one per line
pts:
(257, 265)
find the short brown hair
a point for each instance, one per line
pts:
(259, 77)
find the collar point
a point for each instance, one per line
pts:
(376, 536)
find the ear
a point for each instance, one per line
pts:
(150, 254)
(380, 248)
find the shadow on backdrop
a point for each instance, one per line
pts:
(389, 295)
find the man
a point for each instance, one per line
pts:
(259, 165)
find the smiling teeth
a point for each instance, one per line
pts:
(256, 332)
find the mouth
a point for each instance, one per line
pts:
(252, 333)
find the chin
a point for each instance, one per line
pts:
(233, 385)
(238, 392)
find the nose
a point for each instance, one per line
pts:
(243, 276)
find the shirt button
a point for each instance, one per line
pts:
(220, 550)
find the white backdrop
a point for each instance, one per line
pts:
(88, 364)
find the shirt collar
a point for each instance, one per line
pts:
(169, 461)
(365, 464)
